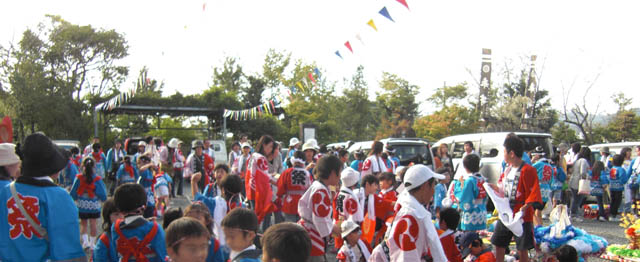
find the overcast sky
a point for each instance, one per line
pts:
(432, 43)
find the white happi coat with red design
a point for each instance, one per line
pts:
(315, 210)
(348, 206)
(413, 234)
(373, 164)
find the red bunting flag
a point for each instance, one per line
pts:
(404, 2)
(311, 78)
(348, 45)
(204, 6)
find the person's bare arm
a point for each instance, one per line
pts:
(195, 178)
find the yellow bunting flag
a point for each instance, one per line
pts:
(300, 86)
(373, 25)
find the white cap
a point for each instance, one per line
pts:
(142, 143)
(349, 177)
(294, 141)
(8, 154)
(245, 144)
(173, 143)
(417, 175)
(347, 227)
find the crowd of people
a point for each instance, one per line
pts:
(302, 206)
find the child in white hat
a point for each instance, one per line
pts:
(354, 249)
(9, 163)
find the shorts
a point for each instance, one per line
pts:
(88, 215)
(502, 236)
(162, 191)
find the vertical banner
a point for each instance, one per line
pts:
(485, 81)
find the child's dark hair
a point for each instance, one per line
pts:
(470, 144)
(130, 197)
(108, 208)
(370, 179)
(96, 147)
(326, 165)
(200, 209)
(618, 159)
(597, 169)
(286, 242)
(223, 167)
(183, 228)
(566, 253)
(472, 163)
(342, 153)
(450, 217)
(555, 158)
(402, 172)
(170, 216)
(241, 218)
(87, 172)
(231, 185)
(74, 150)
(387, 176)
(515, 144)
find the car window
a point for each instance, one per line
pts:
(217, 148)
(458, 150)
(489, 149)
(416, 153)
(531, 142)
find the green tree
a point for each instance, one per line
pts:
(448, 94)
(356, 112)
(562, 133)
(230, 77)
(621, 101)
(61, 66)
(450, 120)
(397, 105)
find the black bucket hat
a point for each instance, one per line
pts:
(40, 157)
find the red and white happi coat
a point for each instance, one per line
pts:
(259, 187)
(373, 164)
(413, 235)
(314, 208)
(291, 185)
(348, 206)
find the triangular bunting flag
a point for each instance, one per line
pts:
(372, 25)
(300, 86)
(338, 54)
(311, 78)
(348, 45)
(359, 38)
(404, 2)
(317, 73)
(384, 12)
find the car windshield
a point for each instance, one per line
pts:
(415, 153)
(531, 142)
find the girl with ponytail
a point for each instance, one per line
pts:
(88, 190)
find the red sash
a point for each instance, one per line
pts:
(129, 169)
(97, 156)
(84, 187)
(132, 247)
(105, 240)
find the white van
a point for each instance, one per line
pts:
(219, 151)
(490, 147)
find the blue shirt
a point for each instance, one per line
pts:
(617, 178)
(439, 195)
(558, 178)
(54, 210)
(110, 156)
(545, 175)
(138, 229)
(102, 253)
(122, 176)
(356, 165)
(85, 203)
(473, 204)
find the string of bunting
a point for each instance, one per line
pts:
(120, 99)
(268, 108)
(383, 12)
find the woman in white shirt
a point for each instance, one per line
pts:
(374, 164)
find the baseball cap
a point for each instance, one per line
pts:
(349, 177)
(418, 174)
(245, 144)
(466, 240)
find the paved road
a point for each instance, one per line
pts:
(608, 230)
